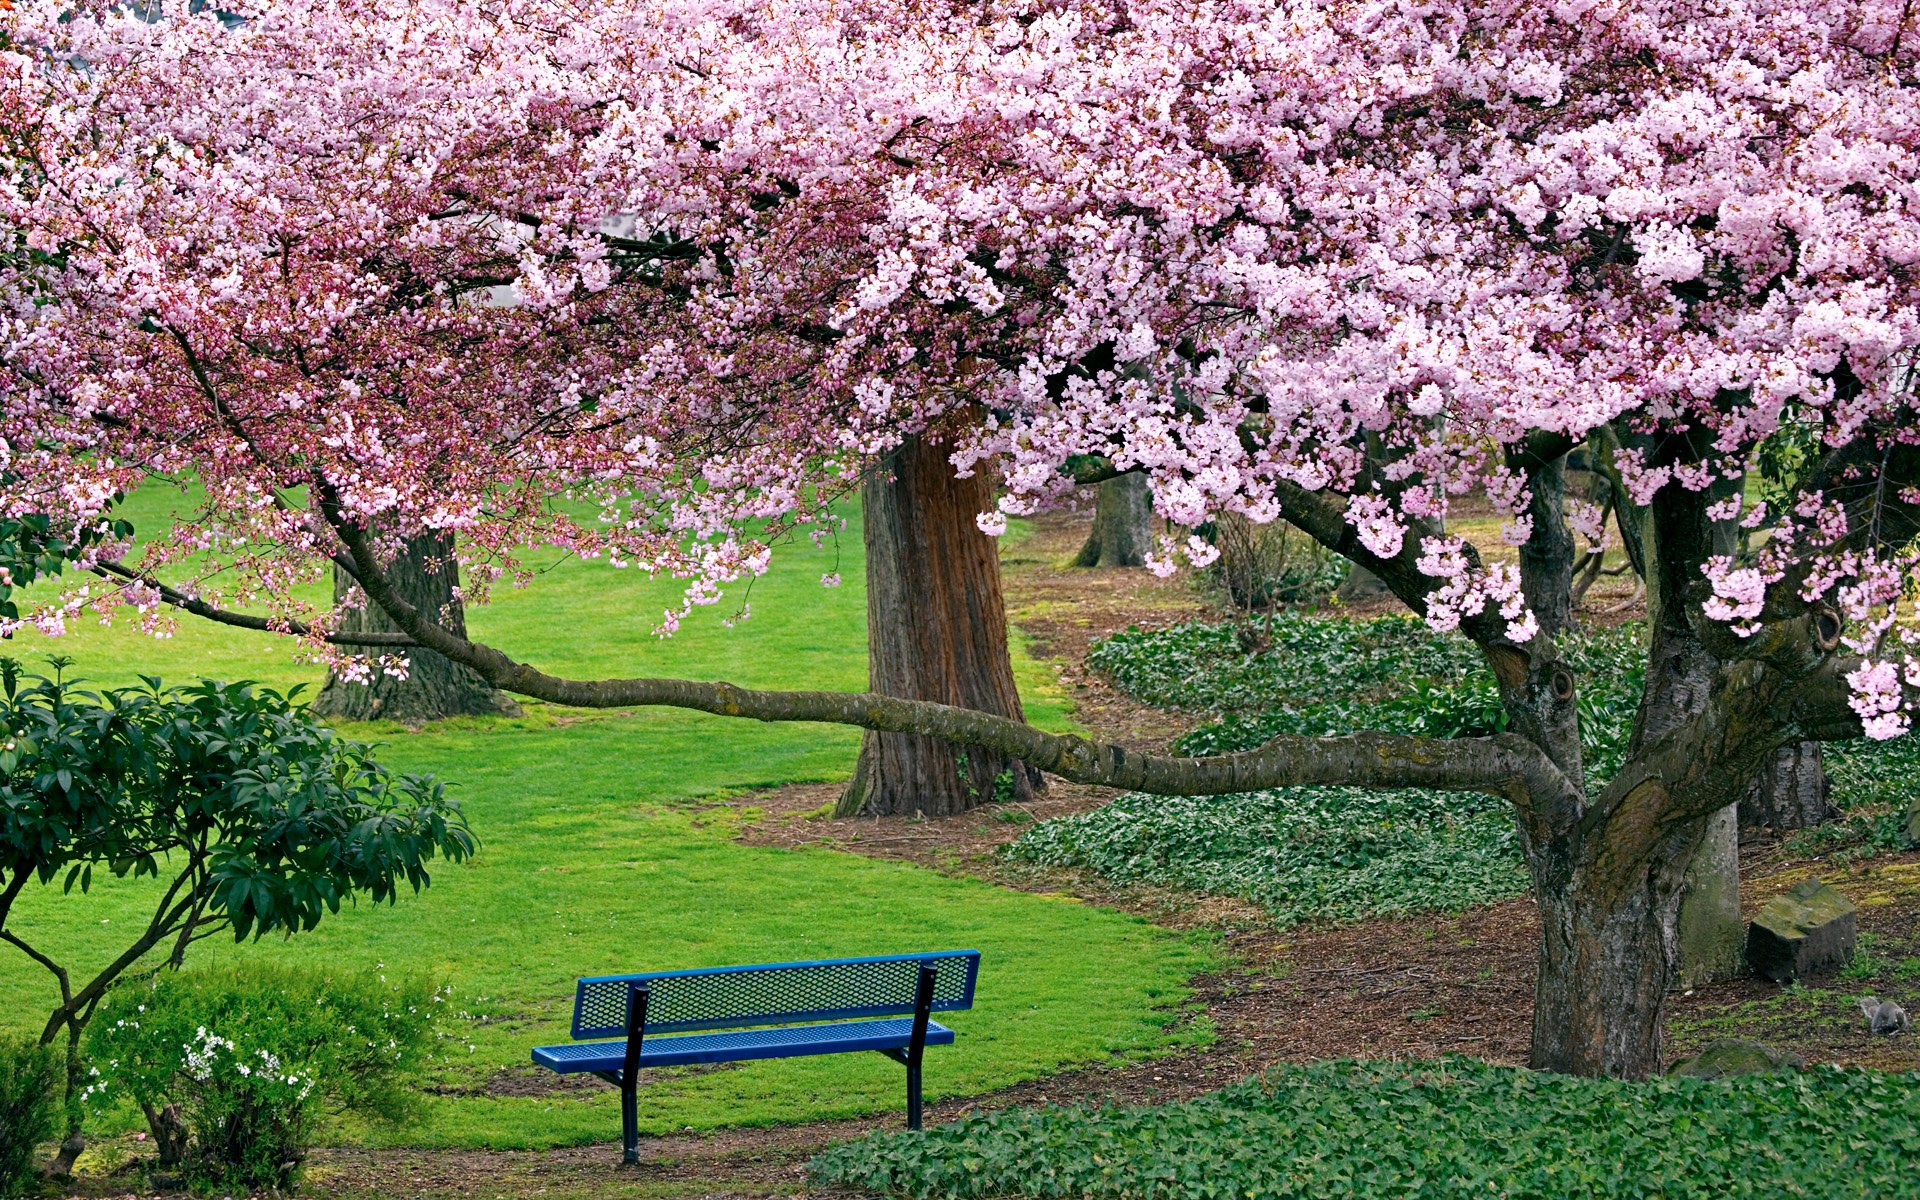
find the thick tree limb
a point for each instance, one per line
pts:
(200, 608)
(1507, 765)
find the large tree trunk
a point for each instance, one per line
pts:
(936, 630)
(1122, 524)
(427, 575)
(1608, 957)
(1681, 671)
(1791, 794)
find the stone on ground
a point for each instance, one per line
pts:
(1736, 1056)
(1807, 930)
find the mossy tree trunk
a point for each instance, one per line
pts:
(434, 687)
(936, 630)
(1122, 524)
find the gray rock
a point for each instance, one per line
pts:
(1808, 930)
(1735, 1056)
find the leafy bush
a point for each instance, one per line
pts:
(232, 1066)
(256, 818)
(1309, 659)
(30, 1088)
(1302, 853)
(1334, 853)
(1442, 1130)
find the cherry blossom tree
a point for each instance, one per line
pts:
(1337, 263)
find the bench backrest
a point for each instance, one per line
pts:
(775, 993)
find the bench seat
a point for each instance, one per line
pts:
(623, 1024)
(739, 1045)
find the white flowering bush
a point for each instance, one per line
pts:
(233, 1067)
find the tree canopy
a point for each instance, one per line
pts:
(365, 270)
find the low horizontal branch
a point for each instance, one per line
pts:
(1505, 764)
(200, 608)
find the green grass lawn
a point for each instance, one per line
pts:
(602, 852)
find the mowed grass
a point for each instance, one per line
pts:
(606, 847)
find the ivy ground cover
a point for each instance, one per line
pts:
(1344, 853)
(601, 852)
(1444, 1130)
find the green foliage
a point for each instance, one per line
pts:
(233, 1066)
(1332, 675)
(1308, 659)
(30, 1086)
(1329, 853)
(1302, 853)
(1873, 783)
(33, 547)
(280, 818)
(1455, 1128)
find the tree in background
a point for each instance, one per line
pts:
(1335, 265)
(1122, 533)
(428, 687)
(936, 631)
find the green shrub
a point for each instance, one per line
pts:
(30, 1088)
(1329, 853)
(1302, 853)
(233, 1066)
(1309, 659)
(1443, 1130)
(250, 816)
(1329, 675)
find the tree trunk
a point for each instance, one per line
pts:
(1712, 939)
(1608, 957)
(936, 630)
(1791, 794)
(1361, 586)
(1122, 524)
(426, 574)
(1708, 937)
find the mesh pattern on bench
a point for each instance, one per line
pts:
(774, 993)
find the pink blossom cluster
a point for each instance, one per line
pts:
(694, 265)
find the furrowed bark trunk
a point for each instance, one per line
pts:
(1608, 957)
(1676, 536)
(434, 688)
(1122, 524)
(936, 630)
(1791, 794)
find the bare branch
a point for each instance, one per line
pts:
(1504, 764)
(200, 608)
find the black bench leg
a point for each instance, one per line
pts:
(917, 1048)
(637, 997)
(629, 1120)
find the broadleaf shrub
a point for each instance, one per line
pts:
(1444, 1130)
(1302, 853)
(30, 1088)
(233, 1066)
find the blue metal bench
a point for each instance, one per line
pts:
(769, 1010)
